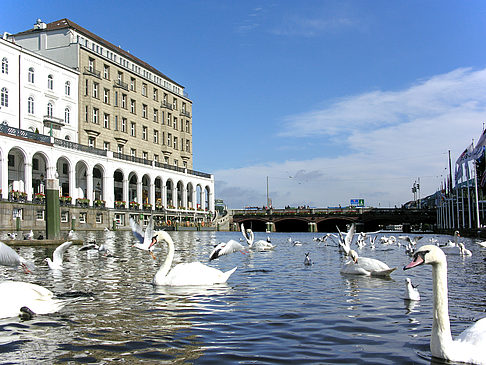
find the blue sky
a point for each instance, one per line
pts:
(332, 100)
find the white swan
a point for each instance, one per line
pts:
(20, 294)
(470, 345)
(57, 256)
(8, 257)
(259, 245)
(194, 273)
(225, 248)
(365, 266)
(411, 291)
(463, 250)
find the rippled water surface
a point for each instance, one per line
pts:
(273, 309)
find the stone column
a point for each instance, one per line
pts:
(125, 192)
(108, 190)
(4, 186)
(28, 180)
(152, 194)
(139, 193)
(164, 195)
(89, 186)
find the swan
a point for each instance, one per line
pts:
(463, 250)
(21, 294)
(259, 245)
(9, 257)
(225, 248)
(411, 291)
(470, 345)
(194, 273)
(481, 243)
(57, 256)
(147, 238)
(365, 266)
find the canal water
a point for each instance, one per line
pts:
(273, 309)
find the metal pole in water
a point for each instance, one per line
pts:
(53, 212)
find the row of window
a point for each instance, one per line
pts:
(129, 65)
(133, 152)
(171, 121)
(31, 105)
(31, 77)
(133, 85)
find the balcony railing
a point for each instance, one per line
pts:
(5, 129)
(92, 71)
(124, 157)
(54, 120)
(198, 173)
(25, 134)
(185, 113)
(79, 147)
(119, 83)
(165, 104)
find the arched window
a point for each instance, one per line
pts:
(30, 105)
(66, 116)
(49, 109)
(5, 65)
(31, 75)
(4, 97)
(67, 88)
(50, 82)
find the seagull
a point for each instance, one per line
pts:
(57, 256)
(225, 248)
(90, 245)
(29, 236)
(8, 257)
(411, 291)
(147, 238)
(307, 260)
(345, 242)
(12, 235)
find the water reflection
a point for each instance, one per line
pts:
(273, 308)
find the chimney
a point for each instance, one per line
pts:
(39, 24)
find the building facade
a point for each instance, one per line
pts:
(116, 132)
(125, 105)
(37, 94)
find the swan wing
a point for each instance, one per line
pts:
(225, 248)
(350, 268)
(8, 256)
(37, 298)
(58, 254)
(474, 335)
(149, 233)
(196, 273)
(137, 230)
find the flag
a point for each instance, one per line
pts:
(458, 173)
(466, 155)
(479, 149)
(483, 179)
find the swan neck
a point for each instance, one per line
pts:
(441, 330)
(164, 269)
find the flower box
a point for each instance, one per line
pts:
(147, 206)
(17, 196)
(65, 200)
(159, 207)
(84, 202)
(120, 204)
(134, 205)
(99, 203)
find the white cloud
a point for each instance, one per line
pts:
(388, 139)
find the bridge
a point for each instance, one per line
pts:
(326, 219)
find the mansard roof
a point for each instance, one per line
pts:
(69, 24)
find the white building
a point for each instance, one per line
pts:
(37, 94)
